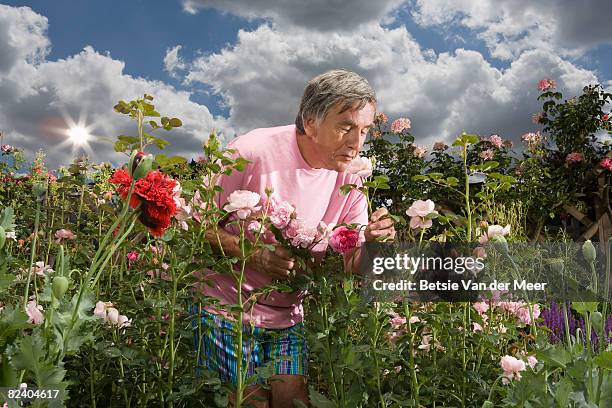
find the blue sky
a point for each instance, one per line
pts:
(447, 65)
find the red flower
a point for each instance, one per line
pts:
(156, 194)
(344, 239)
(605, 117)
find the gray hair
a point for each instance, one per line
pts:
(332, 87)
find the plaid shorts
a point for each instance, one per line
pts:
(284, 351)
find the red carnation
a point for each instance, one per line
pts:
(156, 193)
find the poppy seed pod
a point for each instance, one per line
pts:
(144, 167)
(588, 251)
(500, 243)
(59, 285)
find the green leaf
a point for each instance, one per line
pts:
(554, 356)
(604, 360)
(584, 307)
(318, 400)
(345, 189)
(176, 122)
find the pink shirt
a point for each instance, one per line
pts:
(276, 161)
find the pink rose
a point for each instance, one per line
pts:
(512, 368)
(304, 237)
(546, 84)
(280, 212)
(420, 212)
(574, 157)
(523, 313)
(34, 313)
(401, 124)
(63, 234)
(185, 213)
(325, 231)
(243, 202)
(361, 166)
(476, 327)
(292, 228)
(344, 239)
(494, 230)
(132, 256)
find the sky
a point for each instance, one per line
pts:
(232, 66)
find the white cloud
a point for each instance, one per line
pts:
(509, 27)
(173, 62)
(442, 94)
(39, 92)
(337, 15)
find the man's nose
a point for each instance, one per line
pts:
(354, 139)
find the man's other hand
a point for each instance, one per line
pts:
(277, 263)
(380, 225)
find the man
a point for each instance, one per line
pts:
(305, 165)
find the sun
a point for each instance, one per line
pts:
(78, 135)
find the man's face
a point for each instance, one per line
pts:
(340, 136)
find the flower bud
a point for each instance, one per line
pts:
(2, 237)
(144, 167)
(59, 285)
(588, 251)
(557, 265)
(500, 243)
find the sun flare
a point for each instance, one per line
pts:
(78, 135)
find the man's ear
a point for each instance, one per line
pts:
(310, 127)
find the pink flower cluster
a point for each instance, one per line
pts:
(63, 234)
(606, 163)
(487, 154)
(401, 124)
(546, 84)
(495, 140)
(532, 138)
(574, 157)
(520, 310)
(419, 151)
(5, 148)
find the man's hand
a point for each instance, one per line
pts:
(380, 225)
(277, 263)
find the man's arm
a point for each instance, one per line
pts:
(277, 263)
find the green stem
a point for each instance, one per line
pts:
(32, 254)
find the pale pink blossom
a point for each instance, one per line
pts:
(401, 124)
(494, 230)
(185, 213)
(41, 269)
(243, 202)
(523, 313)
(487, 154)
(425, 342)
(396, 320)
(546, 84)
(361, 166)
(106, 311)
(33, 311)
(63, 234)
(532, 139)
(574, 157)
(496, 141)
(420, 151)
(481, 307)
(304, 237)
(255, 227)
(11, 235)
(280, 212)
(512, 368)
(476, 327)
(532, 361)
(420, 212)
